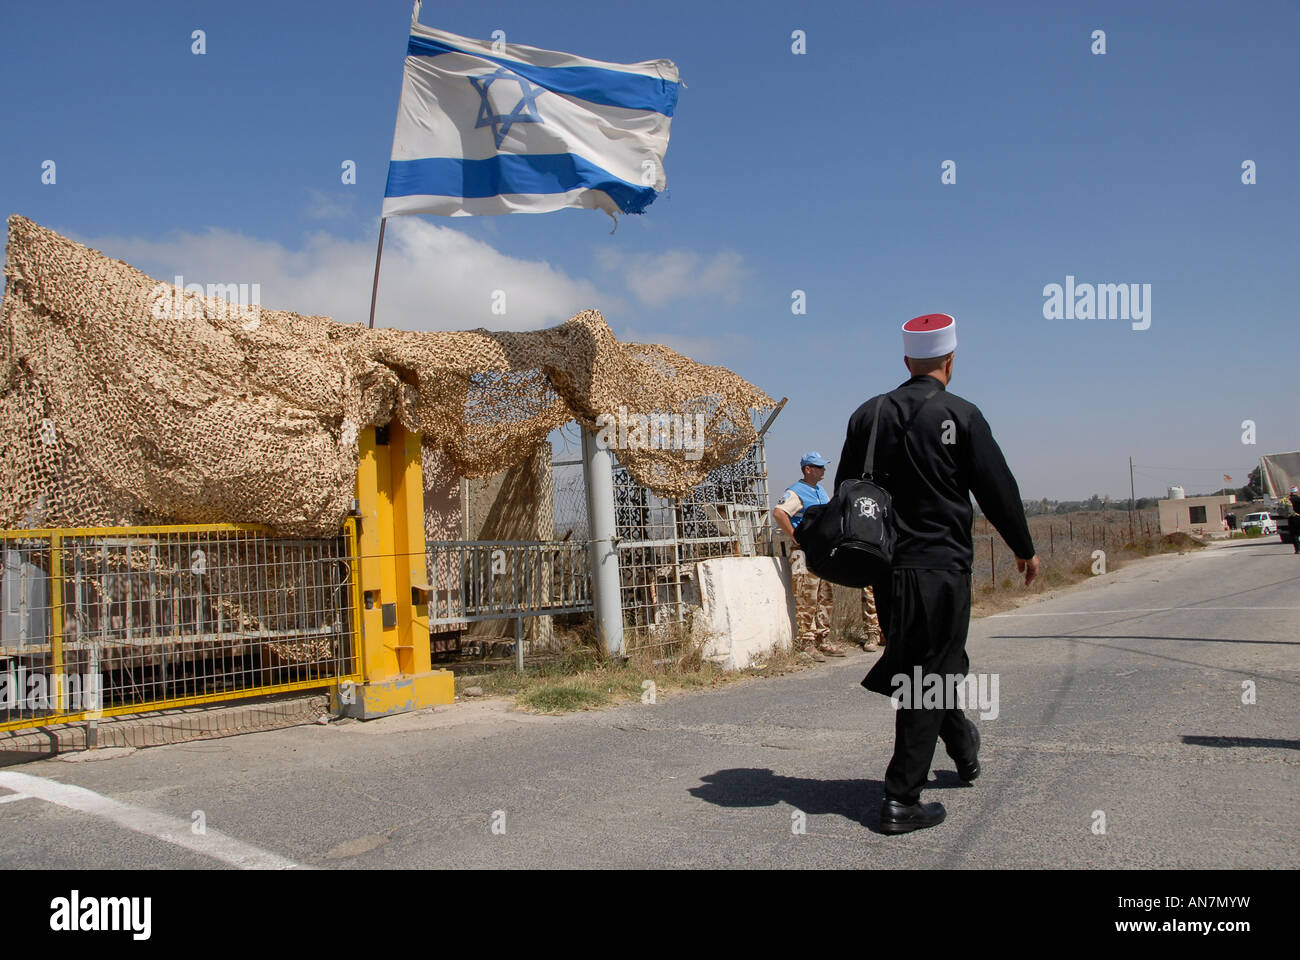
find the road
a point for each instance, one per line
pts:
(1123, 695)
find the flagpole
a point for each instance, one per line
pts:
(383, 221)
(379, 255)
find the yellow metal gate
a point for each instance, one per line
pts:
(98, 622)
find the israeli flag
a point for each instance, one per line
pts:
(488, 128)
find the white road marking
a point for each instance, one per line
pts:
(212, 844)
(1097, 613)
(15, 796)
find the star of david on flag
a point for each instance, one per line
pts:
(499, 122)
(487, 128)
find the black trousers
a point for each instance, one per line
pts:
(1293, 528)
(925, 614)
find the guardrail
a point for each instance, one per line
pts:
(506, 579)
(98, 622)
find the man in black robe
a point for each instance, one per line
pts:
(1293, 522)
(934, 450)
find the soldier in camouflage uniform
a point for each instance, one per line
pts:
(813, 599)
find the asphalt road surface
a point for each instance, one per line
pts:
(1120, 702)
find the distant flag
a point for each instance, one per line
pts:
(489, 128)
(1227, 479)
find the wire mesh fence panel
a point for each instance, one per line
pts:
(569, 499)
(732, 503)
(129, 619)
(661, 540)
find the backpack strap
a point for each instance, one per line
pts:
(875, 429)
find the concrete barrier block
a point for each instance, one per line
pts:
(747, 610)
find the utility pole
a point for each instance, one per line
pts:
(1131, 499)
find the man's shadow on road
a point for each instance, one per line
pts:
(855, 800)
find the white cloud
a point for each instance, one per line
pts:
(656, 279)
(329, 206)
(432, 278)
(721, 349)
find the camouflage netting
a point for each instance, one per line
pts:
(112, 416)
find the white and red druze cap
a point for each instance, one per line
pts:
(933, 335)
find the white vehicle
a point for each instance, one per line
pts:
(1263, 521)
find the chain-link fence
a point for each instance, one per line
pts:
(569, 497)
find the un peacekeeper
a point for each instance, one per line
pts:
(813, 599)
(948, 454)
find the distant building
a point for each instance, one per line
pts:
(1200, 515)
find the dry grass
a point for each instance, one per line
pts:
(583, 677)
(1066, 546)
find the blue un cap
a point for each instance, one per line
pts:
(813, 459)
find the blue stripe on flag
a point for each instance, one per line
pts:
(612, 88)
(540, 173)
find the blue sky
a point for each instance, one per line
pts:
(818, 172)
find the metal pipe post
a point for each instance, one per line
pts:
(379, 255)
(598, 472)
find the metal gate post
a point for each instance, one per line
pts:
(598, 471)
(59, 670)
(393, 582)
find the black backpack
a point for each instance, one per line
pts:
(850, 540)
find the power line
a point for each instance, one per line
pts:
(1200, 469)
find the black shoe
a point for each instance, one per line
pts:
(970, 769)
(898, 817)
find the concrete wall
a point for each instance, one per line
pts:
(747, 608)
(1175, 514)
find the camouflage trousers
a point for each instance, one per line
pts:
(870, 619)
(814, 605)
